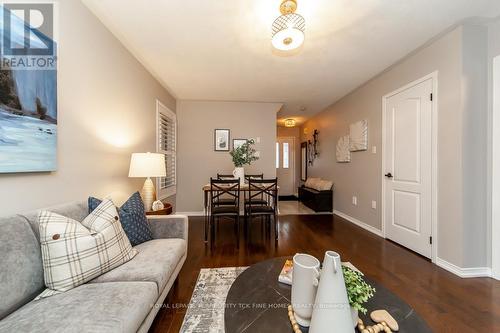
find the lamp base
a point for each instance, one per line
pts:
(148, 194)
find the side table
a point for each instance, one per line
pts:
(167, 210)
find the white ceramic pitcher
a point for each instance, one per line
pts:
(332, 312)
(239, 173)
(304, 284)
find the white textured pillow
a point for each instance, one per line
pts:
(311, 182)
(324, 185)
(74, 253)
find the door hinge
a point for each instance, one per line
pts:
(432, 97)
(430, 240)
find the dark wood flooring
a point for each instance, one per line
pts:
(447, 302)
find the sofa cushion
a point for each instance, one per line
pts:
(324, 185)
(21, 272)
(74, 210)
(74, 253)
(310, 182)
(107, 307)
(132, 217)
(155, 262)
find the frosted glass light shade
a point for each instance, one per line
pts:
(288, 39)
(288, 32)
(143, 165)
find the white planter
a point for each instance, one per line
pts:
(304, 285)
(239, 173)
(332, 312)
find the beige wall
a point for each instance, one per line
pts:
(197, 160)
(293, 133)
(106, 111)
(461, 140)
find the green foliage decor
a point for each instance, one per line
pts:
(358, 291)
(244, 155)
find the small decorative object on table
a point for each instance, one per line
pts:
(245, 154)
(358, 291)
(286, 273)
(157, 205)
(385, 323)
(331, 290)
(382, 316)
(166, 210)
(291, 316)
(304, 287)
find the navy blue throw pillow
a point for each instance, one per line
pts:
(132, 217)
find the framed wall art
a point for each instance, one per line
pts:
(359, 136)
(222, 139)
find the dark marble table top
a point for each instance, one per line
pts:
(257, 302)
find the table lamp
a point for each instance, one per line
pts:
(147, 165)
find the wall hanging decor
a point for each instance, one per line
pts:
(359, 136)
(343, 152)
(28, 99)
(312, 147)
(221, 139)
(316, 143)
(239, 142)
(310, 152)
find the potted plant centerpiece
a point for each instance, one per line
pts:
(243, 155)
(358, 291)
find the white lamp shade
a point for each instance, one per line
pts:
(147, 165)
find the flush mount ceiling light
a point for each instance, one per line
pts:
(288, 29)
(290, 123)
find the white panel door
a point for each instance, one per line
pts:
(408, 168)
(285, 165)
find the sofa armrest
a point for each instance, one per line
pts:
(169, 226)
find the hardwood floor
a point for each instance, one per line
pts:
(447, 302)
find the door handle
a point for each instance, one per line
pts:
(389, 175)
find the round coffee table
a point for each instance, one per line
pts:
(257, 302)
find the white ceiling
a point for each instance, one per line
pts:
(221, 49)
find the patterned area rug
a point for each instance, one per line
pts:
(206, 308)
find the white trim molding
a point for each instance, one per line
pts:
(494, 174)
(469, 272)
(434, 192)
(162, 110)
(359, 223)
(201, 213)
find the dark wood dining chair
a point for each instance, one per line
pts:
(259, 176)
(256, 200)
(229, 189)
(259, 190)
(224, 200)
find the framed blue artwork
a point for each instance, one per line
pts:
(28, 92)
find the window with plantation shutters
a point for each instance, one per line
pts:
(166, 144)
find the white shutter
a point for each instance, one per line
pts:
(167, 144)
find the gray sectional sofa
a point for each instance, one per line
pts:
(125, 299)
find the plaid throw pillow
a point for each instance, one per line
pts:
(133, 218)
(74, 253)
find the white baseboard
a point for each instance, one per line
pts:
(359, 223)
(191, 213)
(470, 272)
